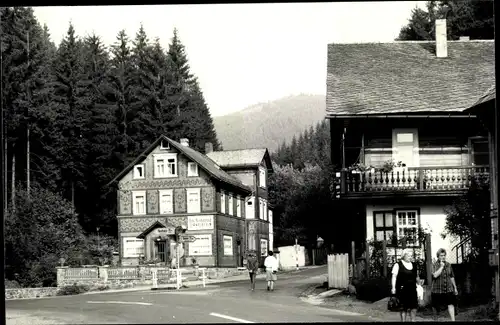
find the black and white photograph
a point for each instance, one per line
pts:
(307, 162)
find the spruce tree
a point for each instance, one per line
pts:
(190, 116)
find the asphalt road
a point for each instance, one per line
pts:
(230, 302)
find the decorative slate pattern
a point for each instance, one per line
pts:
(137, 224)
(125, 202)
(207, 199)
(252, 227)
(164, 183)
(149, 167)
(180, 200)
(152, 197)
(177, 221)
(407, 77)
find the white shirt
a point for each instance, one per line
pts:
(395, 268)
(271, 263)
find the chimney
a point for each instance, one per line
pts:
(184, 142)
(464, 38)
(209, 147)
(441, 39)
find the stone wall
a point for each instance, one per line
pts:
(20, 293)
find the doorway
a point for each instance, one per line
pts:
(162, 250)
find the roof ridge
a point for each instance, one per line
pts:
(415, 42)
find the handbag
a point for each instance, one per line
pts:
(393, 304)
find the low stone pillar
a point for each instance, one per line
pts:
(61, 272)
(103, 273)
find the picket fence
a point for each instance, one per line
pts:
(338, 271)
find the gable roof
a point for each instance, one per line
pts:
(240, 158)
(407, 77)
(203, 161)
(490, 94)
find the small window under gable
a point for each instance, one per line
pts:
(139, 171)
(192, 169)
(164, 145)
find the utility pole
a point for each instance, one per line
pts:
(28, 187)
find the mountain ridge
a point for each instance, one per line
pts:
(268, 124)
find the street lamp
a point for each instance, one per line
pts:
(320, 241)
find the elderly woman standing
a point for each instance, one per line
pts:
(444, 288)
(404, 285)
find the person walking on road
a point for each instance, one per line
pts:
(271, 265)
(252, 266)
(404, 285)
(444, 289)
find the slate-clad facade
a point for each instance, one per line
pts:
(171, 185)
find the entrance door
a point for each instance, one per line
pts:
(162, 250)
(405, 147)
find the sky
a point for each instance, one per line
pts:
(244, 54)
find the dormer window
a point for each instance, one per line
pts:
(164, 145)
(139, 172)
(192, 169)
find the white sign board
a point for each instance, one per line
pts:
(201, 246)
(228, 245)
(200, 222)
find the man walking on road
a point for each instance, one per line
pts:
(252, 266)
(271, 265)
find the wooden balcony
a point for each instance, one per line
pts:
(412, 180)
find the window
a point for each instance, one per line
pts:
(193, 200)
(222, 202)
(228, 245)
(165, 165)
(164, 145)
(166, 202)
(263, 247)
(201, 246)
(262, 177)
(265, 210)
(138, 171)
(270, 216)
(230, 205)
(384, 226)
(192, 169)
(261, 209)
(139, 202)
(238, 207)
(133, 247)
(250, 211)
(407, 227)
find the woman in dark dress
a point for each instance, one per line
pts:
(404, 285)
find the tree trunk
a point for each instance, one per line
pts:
(13, 179)
(6, 174)
(28, 185)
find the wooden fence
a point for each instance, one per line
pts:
(338, 271)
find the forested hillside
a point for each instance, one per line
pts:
(75, 114)
(269, 124)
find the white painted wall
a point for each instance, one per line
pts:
(271, 232)
(287, 257)
(250, 209)
(432, 218)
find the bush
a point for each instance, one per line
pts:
(373, 289)
(12, 284)
(73, 290)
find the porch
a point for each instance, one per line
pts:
(449, 180)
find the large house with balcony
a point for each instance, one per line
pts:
(403, 144)
(172, 186)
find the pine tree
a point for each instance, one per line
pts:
(190, 116)
(120, 94)
(73, 110)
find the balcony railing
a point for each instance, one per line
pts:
(414, 179)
